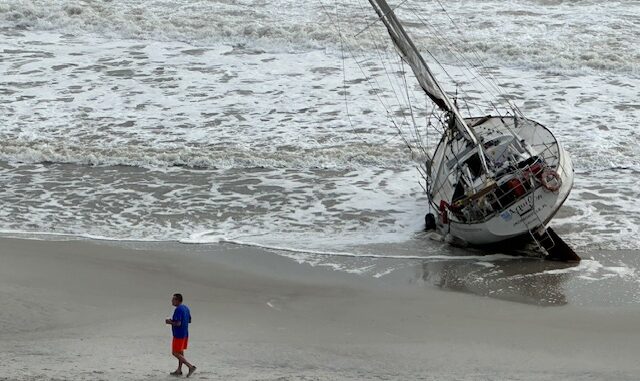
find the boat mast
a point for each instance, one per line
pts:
(429, 84)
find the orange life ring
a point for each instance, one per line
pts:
(550, 180)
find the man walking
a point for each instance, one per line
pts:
(180, 329)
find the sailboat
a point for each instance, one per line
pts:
(492, 178)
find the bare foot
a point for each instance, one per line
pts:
(191, 370)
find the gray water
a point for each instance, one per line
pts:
(208, 122)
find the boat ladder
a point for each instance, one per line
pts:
(539, 233)
(548, 241)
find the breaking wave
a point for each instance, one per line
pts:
(550, 35)
(205, 157)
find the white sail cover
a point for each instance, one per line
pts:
(411, 55)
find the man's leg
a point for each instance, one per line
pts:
(182, 360)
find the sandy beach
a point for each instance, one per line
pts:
(81, 310)
(270, 161)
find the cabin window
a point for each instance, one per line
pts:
(475, 165)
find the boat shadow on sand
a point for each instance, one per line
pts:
(520, 277)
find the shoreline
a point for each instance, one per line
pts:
(83, 310)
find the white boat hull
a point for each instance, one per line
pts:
(528, 214)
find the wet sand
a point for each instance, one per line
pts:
(81, 310)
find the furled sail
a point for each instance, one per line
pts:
(421, 70)
(411, 55)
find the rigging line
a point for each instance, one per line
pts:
(496, 109)
(423, 187)
(379, 18)
(391, 81)
(441, 133)
(444, 42)
(395, 55)
(477, 56)
(395, 92)
(456, 52)
(388, 75)
(382, 61)
(416, 129)
(428, 124)
(458, 55)
(473, 64)
(475, 103)
(492, 79)
(443, 182)
(429, 117)
(359, 66)
(420, 94)
(337, 25)
(389, 114)
(423, 172)
(438, 118)
(344, 83)
(442, 67)
(458, 86)
(413, 120)
(407, 89)
(385, 36)
(426, 130)
(399, 102)
(393, 121)
(410, 93)
(404, 139)
(467, 104)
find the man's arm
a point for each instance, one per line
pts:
(175, 323)
(176, 319)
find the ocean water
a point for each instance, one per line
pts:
(254, 122)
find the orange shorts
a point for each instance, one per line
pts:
(179, 345)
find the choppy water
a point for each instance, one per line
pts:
(200, 121)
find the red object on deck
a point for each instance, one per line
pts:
(444, 216)
(516, 186)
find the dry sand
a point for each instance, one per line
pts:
(81, 310)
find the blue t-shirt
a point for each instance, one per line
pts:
(183, 315)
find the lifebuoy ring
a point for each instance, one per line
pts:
(550, 180)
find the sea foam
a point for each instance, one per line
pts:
(579, 35)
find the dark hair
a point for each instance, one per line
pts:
(178, 296)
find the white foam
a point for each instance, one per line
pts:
(622, 271)
(479, 258)
(522, 33)
(383, 273)
(586, 266)
(44, 235)
(267, 127)
(593, 270)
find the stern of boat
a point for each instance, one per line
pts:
(540, 189)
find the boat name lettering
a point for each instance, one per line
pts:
(526, 208)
